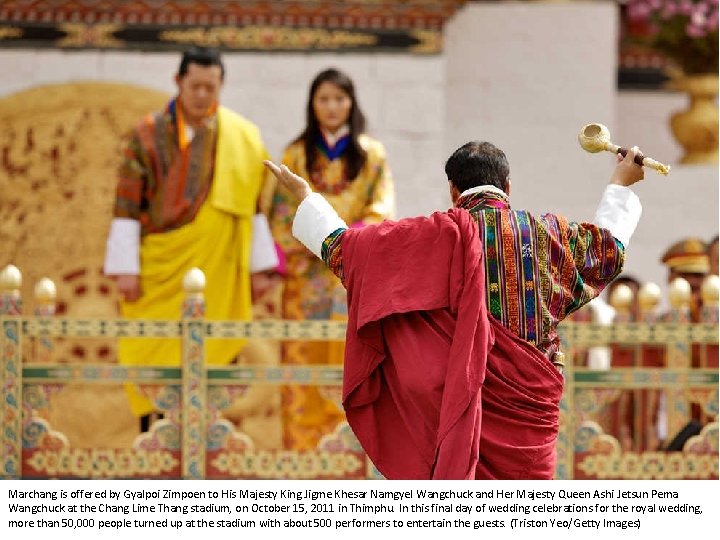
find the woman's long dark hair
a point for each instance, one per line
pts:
(355, 156)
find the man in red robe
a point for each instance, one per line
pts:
(452, 362)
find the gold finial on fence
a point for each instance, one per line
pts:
(11, 279)
(194, 282)
(621, 298)
(680, 293)
(648, 297)
(45, 295)
(45, 290)
(194, 304)
(10, 283)
(710, 291)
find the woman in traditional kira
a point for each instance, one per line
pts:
(349, 169)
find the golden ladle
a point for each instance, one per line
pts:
(596, 138)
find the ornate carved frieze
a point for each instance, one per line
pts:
(412, 26)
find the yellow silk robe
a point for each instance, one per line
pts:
(217, 240)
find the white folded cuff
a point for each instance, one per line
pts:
(122, 255)
(314, 221)
(619, 211)
(602, 312)
(263, 255)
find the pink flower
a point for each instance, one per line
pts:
(698, 19)
(669, 11)
(686, 7)
(712, 21)
(638, 11)
(685, 30)
(694, 31)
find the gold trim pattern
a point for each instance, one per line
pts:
(604, 459)
(431, 41)
(89, 328)
(591, 401)
(650, 466)
(270, 37)
(90, 35)
(585, 334)
(288, 464)
(102, 463)
(574, 333)
(10, 32)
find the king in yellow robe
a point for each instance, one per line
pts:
(194, 203)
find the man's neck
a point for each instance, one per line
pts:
(193, 122)
(481, 189)
(482, 197)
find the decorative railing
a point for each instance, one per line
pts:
(194, 440)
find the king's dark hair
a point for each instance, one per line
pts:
(202, 56)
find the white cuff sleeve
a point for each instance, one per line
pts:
(122, 255)
(263, 255)
(315, 220)
(601, 312)
(619, 211)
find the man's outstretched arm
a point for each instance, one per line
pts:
(598, 248)
(316, 225)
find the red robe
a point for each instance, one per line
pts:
(434, 387)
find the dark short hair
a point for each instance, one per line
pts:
(203, 56)
(478, 164)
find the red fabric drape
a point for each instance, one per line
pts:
(434, 387)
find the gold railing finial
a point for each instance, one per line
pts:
(679, 292)
(649, 296)
(621, 298)
(45, 291)
(710, 291)
(10, 279)
(194, 282)
(45, 296)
